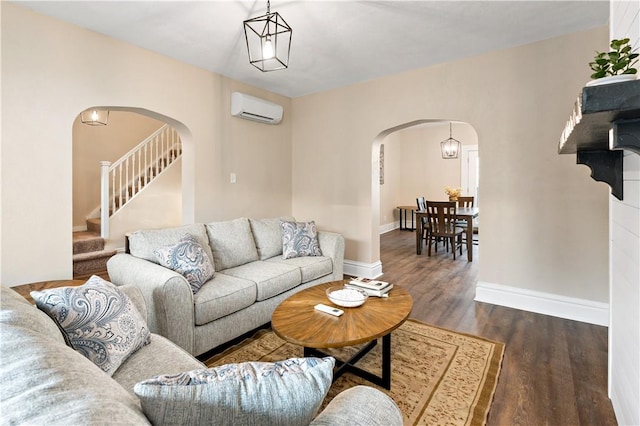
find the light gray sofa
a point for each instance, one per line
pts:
(44, 381)
(251, 279)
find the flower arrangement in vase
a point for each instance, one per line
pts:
(453, 193)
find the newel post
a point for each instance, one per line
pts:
(104, 198)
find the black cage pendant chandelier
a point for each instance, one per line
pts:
(268, 41)
(450, 147)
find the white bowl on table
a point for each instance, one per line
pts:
(346, 297)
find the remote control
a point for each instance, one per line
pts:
(328, 310)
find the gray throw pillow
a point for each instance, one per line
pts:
(97, 320)
(299, 239)
(283, 393)
(268, 235)
(188, 258)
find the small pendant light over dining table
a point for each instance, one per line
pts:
(450, 147)
(268, 40)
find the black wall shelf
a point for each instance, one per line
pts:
(604, 121)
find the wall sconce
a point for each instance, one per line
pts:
(94, 117)
(450, 147)
(268, 40)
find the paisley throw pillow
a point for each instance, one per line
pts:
(188, 258)
(299, 239)
(97, 320)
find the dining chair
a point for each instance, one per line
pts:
(422, 206)
(442, 225)
(465, 202)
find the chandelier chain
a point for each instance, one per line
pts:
(268, 7)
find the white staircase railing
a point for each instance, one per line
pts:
(124, 179)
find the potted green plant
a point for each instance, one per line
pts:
(615, 65)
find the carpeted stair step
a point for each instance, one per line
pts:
(88, 263)
(86, 241)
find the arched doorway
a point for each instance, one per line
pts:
(412, 166)
(137, 137)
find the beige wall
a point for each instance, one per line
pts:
(158, 206)
(93, 144)
(391, 192)
(260, 156)
(544, 220)
(52, 70)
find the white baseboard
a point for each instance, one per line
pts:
(388, 227)
(570, 308)
(360, 269)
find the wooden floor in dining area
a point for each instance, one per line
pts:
(554, 371)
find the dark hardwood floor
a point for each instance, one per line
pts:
(554, 371)
(102, 274)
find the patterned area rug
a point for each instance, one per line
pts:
(438, 376)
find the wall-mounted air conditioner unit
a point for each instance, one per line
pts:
(256, 109)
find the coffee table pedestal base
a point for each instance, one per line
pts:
(349, 365)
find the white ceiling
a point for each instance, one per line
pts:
(334, 43)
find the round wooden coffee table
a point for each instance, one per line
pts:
(296, 321)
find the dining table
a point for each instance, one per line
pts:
(462, 213)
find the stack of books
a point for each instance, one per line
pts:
(372, 287)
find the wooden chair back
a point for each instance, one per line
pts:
(442, 218)
(465, 201)
(422, 204)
